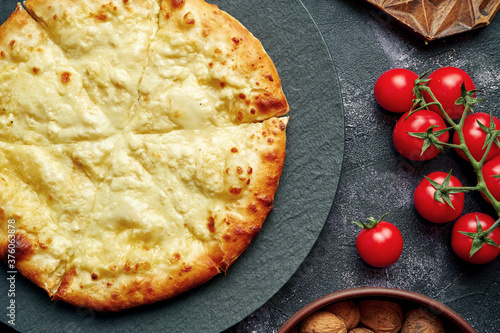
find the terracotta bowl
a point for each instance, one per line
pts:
(452, 321)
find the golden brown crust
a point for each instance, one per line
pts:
(135, 289)
(15, 31)
(246, 222)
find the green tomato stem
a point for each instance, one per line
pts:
(488, 231)
(477, 165)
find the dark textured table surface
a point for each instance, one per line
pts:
(363, 44)
(374, 180)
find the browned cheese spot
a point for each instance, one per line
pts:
(176, 256)
(236, 40)
(36, 70)
(269, 77)
(125, 1)
(252, 111)
(234, 150)
(222, 84)
(24, 248)
(177, 3)
(94, 276)
(65, 77)
(239, 170)
(242, 96)
(271, 155)
(270, 140)
(188, 18)
(235, 190)
(282, 125)
(240, 116)
(55, 17)
(101, 17)
(12, 42)
(211, 224)
(109, 284)
(271, 103)
(2, 54)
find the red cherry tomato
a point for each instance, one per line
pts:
(433, 210)
(445, 84)
(381, 245)
(461, 244)
(411, 147)
(394, 90)
(475, 136)
(490, 170)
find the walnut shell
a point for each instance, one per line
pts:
(422, 321)
(360, 330)
(322, 322)
(381, 316)
(348, 311)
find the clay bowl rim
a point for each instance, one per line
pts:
(363, 292)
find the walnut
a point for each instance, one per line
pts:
(322, 322)
(348, 311)
(381, 316)
(360, 330)
(422, 321)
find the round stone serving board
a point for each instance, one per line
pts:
(315, 145)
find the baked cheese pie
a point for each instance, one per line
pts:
(141, 146)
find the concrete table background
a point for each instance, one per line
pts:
(363, 43)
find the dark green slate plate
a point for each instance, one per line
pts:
(307, 188)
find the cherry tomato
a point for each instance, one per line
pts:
(394, 90)
(433, 210)
(445, 84)
(411, 147)
(461, 244)
(380, 245)
(475, 136)
(490, 170)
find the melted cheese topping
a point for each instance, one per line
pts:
(120, 143)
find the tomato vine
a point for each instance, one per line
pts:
(467, 99)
